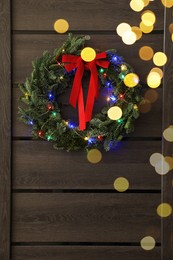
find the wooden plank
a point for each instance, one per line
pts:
(148, 125)
(81, 217)
(5, 131)
(38, 166)
(84, 253)
(28, 47)
(167, 184)
(81, 15)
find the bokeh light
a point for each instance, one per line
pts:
(121, 184)
(162, 167)
(137, 5)
(122, 28)
(148, 243)
(88, 54)
(164, 210)
(146, 29)
(155, 158)
(61, 26)
(151, 95)
(157, 70)
(146, 2)
(115, 113)
(169, 160)
(153, 80)
(148, 18)
(146, 53)
(131, 80)
(94, 156)
(137, 31)
(167, 3)
(168, 134)
(129, 37)
(159, 59)
(171, 28)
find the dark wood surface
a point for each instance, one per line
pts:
(80, 217)
(81, 15)
(5, 132)
(29, 46)
(89, 252)
(36, 165)
(167, 184)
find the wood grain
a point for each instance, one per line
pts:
(37, 165)
(84, 253)
(81, 15)
(148, 124)
(167, 183)
(27, 47)
(5, 139)
(71, 217)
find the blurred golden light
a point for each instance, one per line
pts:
(137, 5)
(121, 184)
(162, 167)
(167, 3)
(160, 58)
(122, 28)
(148, 18)
(146, 29)
(88, 54)
(157, 70)
(61, 26)
(171, 28)
(146, 2)
(164, 210)
(137, 31)
(146, 53)
(115, 113)
(94, 156)
(131, 80)
(155, 158)
(148, 243)
(151, 95)
(129, 37)
(169, 160)
(153, 80)
(168, 134)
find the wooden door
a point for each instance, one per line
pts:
(54, 204)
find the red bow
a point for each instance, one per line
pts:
(85, 115)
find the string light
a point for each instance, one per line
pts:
(123, 67)
(121, 76)
(105, 75)
(40, 133)
(121, 96)
(86, 138)
(91, 140)
(49, 138)
(101, 70)
(108, 84)
(50, 106)
(61, 77)
(113, 98)
(50, 96)
(120, 120)
(100, 138)
(30, 122)
(54, 114)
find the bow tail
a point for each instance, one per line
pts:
(81, 111)
(92, 93)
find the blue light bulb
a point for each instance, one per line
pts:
(30, 122)
(113, 98)
(50, 95)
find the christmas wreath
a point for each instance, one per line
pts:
(110, 78)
